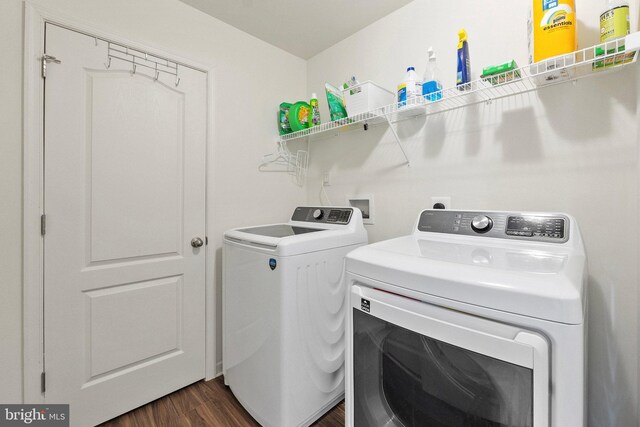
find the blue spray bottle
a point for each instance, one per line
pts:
(464, 62)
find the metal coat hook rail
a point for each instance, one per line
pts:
(141, 59)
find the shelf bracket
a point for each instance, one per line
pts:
(395, 135)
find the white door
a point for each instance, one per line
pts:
(124, 195)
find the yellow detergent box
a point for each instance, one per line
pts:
(552, 29)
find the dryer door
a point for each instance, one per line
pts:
(416, 364)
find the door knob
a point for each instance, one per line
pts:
(196, 242)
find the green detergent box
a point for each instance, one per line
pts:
(503, 73)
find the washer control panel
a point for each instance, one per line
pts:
(323, 215)
(506, 225)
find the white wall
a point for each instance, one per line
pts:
(10, 207)
(251, 78)
(567, 148)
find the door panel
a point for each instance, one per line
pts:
(124, 194)
(135, 127)
(138, 331)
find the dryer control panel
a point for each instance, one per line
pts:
(541, 227)
(323, 215)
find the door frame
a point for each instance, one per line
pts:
(35, 18)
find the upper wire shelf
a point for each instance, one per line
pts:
(591, 61)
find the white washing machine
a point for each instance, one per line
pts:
(476, 319)
(284, 306)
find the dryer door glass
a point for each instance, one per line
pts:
(403, 378)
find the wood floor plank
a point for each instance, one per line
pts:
(188, 398)
(159, 413)
(232, 411)
(182, 421)
(204, 404)
(226, 402)
(207, 415)
(333, 418)
(126, 420)
(217, 387)
(204, 391)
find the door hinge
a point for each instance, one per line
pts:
(43, 382)
(43, 224)
(47, 58)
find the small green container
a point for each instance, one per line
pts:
(299, 116)
(284, 127)
(503, 73)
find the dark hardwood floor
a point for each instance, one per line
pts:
(205, 403)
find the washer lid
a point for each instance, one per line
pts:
(540, 280)
(311, 229)
(279, 230)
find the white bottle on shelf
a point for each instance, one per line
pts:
(408, 89)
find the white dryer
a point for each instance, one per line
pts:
(476, 319)
(284, 306)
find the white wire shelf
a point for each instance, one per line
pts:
(592, 61)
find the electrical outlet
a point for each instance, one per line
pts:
(445, 200)
(326, 179)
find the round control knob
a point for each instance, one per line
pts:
(481, 223)
(317, 214)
